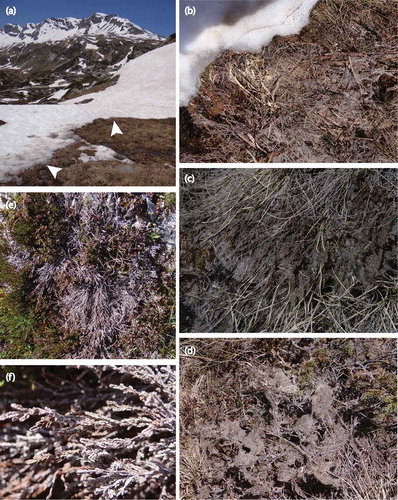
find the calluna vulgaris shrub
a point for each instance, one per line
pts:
(88, 432)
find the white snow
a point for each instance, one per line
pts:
(91, 46)
(82, 63)
(58, 83)
(10, 66)
(124, 61)
(101, 153)
(145, 89)
(211, 31)
(59, 93)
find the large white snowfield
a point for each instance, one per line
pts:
(32, 132)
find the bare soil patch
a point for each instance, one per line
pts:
(283, 419)
(328, 94)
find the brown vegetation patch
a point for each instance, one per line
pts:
(283, 419)
(75, 93)
(148, 145)
(289, 250)
(116, 173)
(144, 141)
(328, 94)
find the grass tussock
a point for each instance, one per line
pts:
(289, 250)
(328, 94)
(288, 418)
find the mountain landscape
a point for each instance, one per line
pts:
(62, 58)
(61, 75)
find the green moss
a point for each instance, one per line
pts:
(39, 225)
(306, 371)
(348, 349)
(170, 199)
(321, 357)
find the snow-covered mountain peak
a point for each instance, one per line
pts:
(57, 29)
(12, 29)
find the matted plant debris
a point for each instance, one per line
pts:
(283, 419)
(87, 275)
(87, 432)
(327, 94)
(289, 250)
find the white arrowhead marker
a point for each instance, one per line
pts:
(54, 170)
(115, 129)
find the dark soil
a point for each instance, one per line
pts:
(148, 143)
(289, 250)
(328, 94)
(281, 419)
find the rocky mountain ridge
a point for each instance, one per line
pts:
(59, 59)
(55, 29)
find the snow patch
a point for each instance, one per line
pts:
(10, 66)
(102, 153)
(59, 94)
(58, 83)
(145, 89)
(82, 63)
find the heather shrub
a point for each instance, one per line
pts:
(88, 432)
(87, 275)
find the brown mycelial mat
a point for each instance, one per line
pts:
(289, 250)
(283, 419)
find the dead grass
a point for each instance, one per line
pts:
(288, 418)
(289, 250)
(326, 95)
